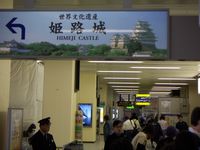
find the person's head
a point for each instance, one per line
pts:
(162, 117)
(186, 140)
(31, 128)
(134, 116)
(148, 130)
(117, 127)
(45, 124)
(195, 119)
(171, 131)
(106, 118)
(179, 117)
(126, 118)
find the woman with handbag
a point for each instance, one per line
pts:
(131, 127)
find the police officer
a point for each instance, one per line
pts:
(42, 140)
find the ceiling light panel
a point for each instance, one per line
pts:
(160, 68)
(123, 83)
(159, 93)
(160, 88)
(117, 62)
(121, 78)
(123, 86)
(126, 89)
(166, 87)
(117, 71)
(186, 79)
(171, 83)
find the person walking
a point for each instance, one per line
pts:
(195, 121)
(106, 127)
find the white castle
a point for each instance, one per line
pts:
(142, 33)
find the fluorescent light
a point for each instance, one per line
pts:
(121, 86)
(198, 84)
(167, 88)
(118, 62)
(123, 91)
(176, 79)
(121, 78)
(126, 89)
(123, 83)
(39, 61)
(171, 83)
(164, 68)
(160, 93)
(108, 71)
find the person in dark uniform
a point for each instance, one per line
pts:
(42, 140)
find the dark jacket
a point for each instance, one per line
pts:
(164, 143)
(182, 126)
(117, 142)
(106, 130)
(42, 142)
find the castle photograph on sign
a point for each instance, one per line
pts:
(84, 33)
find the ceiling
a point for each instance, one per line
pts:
(188, 69)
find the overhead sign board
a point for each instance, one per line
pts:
(84, 33)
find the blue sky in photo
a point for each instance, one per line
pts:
(37, 25)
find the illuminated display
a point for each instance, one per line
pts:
(142, 99)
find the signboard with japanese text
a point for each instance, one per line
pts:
(85, 34)
(15, 122)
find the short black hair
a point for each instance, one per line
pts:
(116, 122)
(195, 116)
(133, 116)
(106, 117)
(148, 129)
(162, 117)
(179, 116)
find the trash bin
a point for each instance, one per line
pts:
(74, 146)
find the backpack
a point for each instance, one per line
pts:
(130, 134)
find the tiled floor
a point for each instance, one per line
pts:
(98, 145)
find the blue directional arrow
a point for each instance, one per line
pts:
(10, 25)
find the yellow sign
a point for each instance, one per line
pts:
(142, 103)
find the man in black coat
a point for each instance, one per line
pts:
(181, 125)
(42, 140)
(117, 141)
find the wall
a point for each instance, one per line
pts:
(6, 4)
(59, 99)
(87, 94)
(4, 100)
(184, 38)
(5, 85)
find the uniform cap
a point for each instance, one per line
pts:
(44, 121)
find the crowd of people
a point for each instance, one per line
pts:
(130, 134)
(153, 134)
